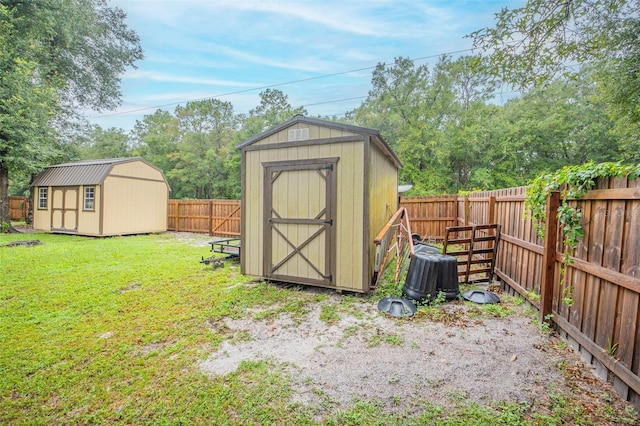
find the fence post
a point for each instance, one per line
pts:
(177, 220)
(549, 257)
(466, 211)
(169, 216)
(492, 209)
(455, 212)
(210, 217)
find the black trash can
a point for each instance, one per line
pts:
(447, 276)
(425, 249)
(430, 274)
(422, 278)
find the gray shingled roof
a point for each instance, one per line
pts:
(91, 172)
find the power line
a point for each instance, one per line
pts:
(270, 86)
(333, 101)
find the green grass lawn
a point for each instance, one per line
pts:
(111, 330)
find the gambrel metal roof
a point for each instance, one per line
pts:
(90, 172)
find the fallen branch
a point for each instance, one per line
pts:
(26, 243)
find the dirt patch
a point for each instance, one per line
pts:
(23, 229)
(401, 363)
(192, 239)
(447, 356)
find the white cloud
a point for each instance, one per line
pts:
(309, 63)
(200, 48)
(177, 78)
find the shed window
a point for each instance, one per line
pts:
(42, 198)
(89, 197)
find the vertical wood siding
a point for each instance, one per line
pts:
(604, 278)
(383, 201)
(214, 217)
(349, 174)
(603, 281)
(18, 208)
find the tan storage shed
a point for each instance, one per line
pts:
(314, 195)
(101, 198)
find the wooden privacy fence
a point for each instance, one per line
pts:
(603, 322)
(18, 208)
(213, 217)
(430, 216)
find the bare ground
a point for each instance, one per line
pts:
(397, 362)
(463, 356)
(454, 354)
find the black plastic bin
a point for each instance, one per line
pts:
(422, 248)
(422, 278)
(447, 276)
(430, 274)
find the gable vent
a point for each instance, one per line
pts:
(299, 134)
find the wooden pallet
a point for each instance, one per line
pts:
(475, 247)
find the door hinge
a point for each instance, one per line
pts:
(329, 167)
(329, 222)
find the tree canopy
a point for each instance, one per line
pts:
(545, 40)
(195, 146)
(573, 61)
(55, 57)
(439, 120)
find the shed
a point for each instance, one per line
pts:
(314, 195)
(101, 198)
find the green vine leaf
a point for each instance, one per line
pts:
(573, 182)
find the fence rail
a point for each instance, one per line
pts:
(603, 281)
(18, 208)
(213, 217)
(430, 216)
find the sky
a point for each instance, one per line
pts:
(319, 53)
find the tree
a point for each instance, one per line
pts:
(465, 133)
(274, 109)
(207, 128)
(156, 140)
(471, 83)
(533, 45)
(432, 119)
(562, 124)
(55, 56)
(26, 108)
(395, 105)
(100, 143)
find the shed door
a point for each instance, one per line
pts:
(300, 203)
(64, 208)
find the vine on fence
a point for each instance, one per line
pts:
(573, 182)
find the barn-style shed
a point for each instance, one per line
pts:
(101, 198)
(314, 195)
